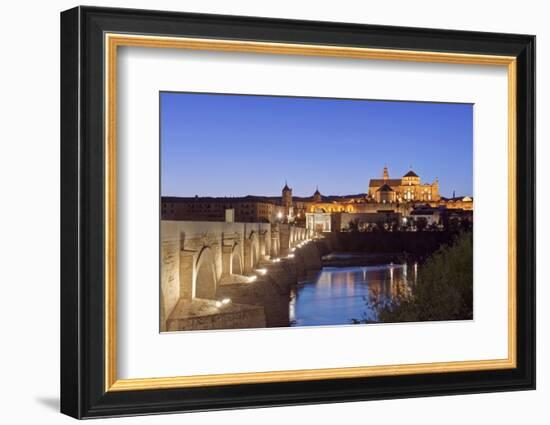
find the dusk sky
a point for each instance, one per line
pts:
(236, 145)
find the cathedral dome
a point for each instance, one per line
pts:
(411, 174)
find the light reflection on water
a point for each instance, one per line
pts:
(339, 294)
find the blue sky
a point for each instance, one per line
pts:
(236, 145)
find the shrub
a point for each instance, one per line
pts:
(444, 287)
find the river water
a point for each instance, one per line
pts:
(338, 295)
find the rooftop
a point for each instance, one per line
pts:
(380, 182)
(385, 188)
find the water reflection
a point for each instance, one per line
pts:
(337, 295)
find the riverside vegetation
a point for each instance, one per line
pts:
(443, 290)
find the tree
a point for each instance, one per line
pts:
(465, 225)
(421, 223)
(444, 287)
(353, 225)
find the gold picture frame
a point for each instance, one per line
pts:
(114, 41)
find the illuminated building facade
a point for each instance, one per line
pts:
(386, 195)
(405, 189)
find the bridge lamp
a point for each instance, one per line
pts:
(226, 301)
(252, 278)
(218, 304)
(279, 215)
(261, 271)
(276, 260)
(290, 255)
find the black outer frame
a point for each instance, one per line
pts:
(82, 212)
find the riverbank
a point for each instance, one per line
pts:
(272, 287)
(272, 290)
(347, 259)
(414, 245)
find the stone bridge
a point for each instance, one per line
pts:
(199, 258)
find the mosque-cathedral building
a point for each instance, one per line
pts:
(406, 189)
(387, 199)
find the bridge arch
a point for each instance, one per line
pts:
(251, 252)
(205, 274)
(236, 260)
(255, 245)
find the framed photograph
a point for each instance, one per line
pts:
(261, 212)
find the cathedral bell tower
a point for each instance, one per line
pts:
(317, 197)
(287, 197)
(435, 190)
(385, 174)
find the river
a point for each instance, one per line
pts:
(338, 295)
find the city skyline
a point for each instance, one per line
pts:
(236, 145)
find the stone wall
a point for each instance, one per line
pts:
(187, 246)
(419, 244)
(217, 260)
(204, 315)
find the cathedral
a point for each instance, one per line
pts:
(387, 199)
(402, 191)
(384, 195)
(405, 189)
